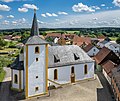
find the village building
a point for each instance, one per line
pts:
(107, 70)
(38, 65)
(103, 55)
(91, 50)
(81, 41)
(113, 46)
(116, 82)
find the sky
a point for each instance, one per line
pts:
(60, 13)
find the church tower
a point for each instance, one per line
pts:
(35, 63)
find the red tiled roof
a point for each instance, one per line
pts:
(80, 40)
(101, 54)
(108, 66)
(88, 47)
(53, 35)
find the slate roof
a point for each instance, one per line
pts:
(34, 40)
(88, 47)
(108, 66)
(18, 65)
(66, 55)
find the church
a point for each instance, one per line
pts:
(38, 65)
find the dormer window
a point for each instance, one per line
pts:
(56, 58)
(37, 50)
(76, 56)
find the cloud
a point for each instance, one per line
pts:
(57, 19)
(95, 18)
(4, 8)
(5, 22)
(51, 14)
(40, 22)
(116, 2)
(80, 7)
(1, 16)
(30, 6)
(62, 13)
(10, 16)
(48, 14)
(23, 10)
(7, 0)
(102, 5)
(43, 15)
(19, 21)
(95, 7)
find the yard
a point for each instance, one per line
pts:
(92, 90)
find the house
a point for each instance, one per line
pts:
(7, 37)
(101, 37)
(107, 69)
(103, 55)
(113, 46)
(106, 54)
(91, 50)
(101, 44)
(37, 65)
(116, 82)
(81, 40)
(17, 37)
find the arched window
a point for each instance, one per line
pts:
(72, 70)
(16, 79)
(55, 74)
(85, 69)
(37, 49)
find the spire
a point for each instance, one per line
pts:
(35, 29)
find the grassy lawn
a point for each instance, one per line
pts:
(2, 75)
(113, 38)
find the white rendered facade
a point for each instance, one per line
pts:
(64, 73)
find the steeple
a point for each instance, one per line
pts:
(34, 29)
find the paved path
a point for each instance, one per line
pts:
(5, 87)
(95, 90)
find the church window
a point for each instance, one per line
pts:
(16, 79)
(36, 59)
(36, 77)
(72, 70)
(85, 69)
(56, 58)
(55, 74)
(36, 88)
(37, 50)
(76, 56)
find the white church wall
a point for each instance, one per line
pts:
(22, 87)
(36, 68)
(64, 73)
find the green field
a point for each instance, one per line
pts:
(113, 38)
(58, 31)
(8, 49)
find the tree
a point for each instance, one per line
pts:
(118, 40)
